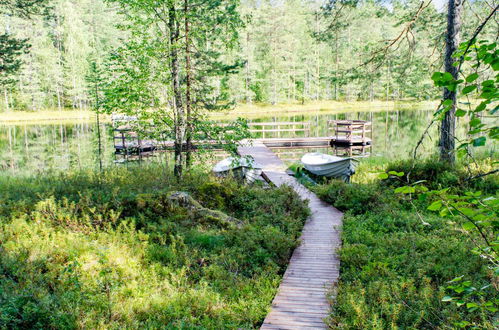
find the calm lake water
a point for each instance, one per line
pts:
(36, 148)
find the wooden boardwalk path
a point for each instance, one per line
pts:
(301, 302)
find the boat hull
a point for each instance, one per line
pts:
(246, 174)
(240, 168)
(337, 167)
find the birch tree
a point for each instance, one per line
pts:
(164, 71)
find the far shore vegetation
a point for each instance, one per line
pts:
(245, 110)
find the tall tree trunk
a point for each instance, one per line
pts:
(317, 61)
(337, 66)
(188, 106)
(448, 127)
(7, 107)
(99, 140)
(389, 79)
(60, 74)
(247, 66)
(274, 83)
(177, 94)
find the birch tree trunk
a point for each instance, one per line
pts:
(7, 107)
(448, 127)
(178, 109)
(247, 67)
(337, 66)
(188, 155)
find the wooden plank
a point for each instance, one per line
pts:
(352, 131)
(295, 320)
(301, 302)
(280, 123)
(279, 130)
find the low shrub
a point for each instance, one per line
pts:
(439, 175)
(397, 258)
(89, 250)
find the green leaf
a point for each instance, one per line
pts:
(472, 77)
(457, 279)
(383, 176)
(447, 103)
(460, 113)
(405, 190)
(468, 225)
(447, 298)
(435, 206)
(474, 131)
(478, 142)
(396, 173)
(443, 212)
(451, 87)
(475, 122)
(447, 76)
(488, 83)
(469, 89)
(481, 107)
(436, 76)
(471, 305)
(467, 211)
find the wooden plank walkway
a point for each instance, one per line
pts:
(301, 302)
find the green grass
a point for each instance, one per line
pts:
(90, 250)
(396, 262)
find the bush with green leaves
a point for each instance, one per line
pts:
(398, 258)
(481, 83)
(90, 250)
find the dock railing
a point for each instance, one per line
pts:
(279, 127)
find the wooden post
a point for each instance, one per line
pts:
(123, 140)
(364, 132)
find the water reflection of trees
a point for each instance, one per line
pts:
(35, 148)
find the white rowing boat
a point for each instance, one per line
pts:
(329, 166)
(241, 167)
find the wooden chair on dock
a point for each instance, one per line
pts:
(350, 132)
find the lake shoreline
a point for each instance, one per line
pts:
(241, 110)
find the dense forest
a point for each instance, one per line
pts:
(286, 51)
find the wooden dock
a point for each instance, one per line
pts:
(301, 301)
(123, 145)
(347, 133)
